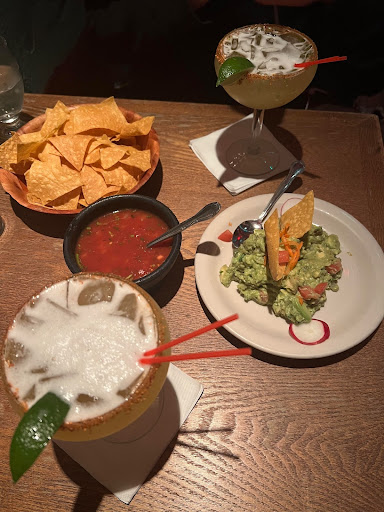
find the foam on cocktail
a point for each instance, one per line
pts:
(81, 339)
(270, 51)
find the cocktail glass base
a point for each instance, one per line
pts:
(9, 127)
(252, 158)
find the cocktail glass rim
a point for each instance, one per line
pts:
(128, 411)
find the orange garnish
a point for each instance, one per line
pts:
(287, 246)
(294, 255)
(284, 231)
(294, 259)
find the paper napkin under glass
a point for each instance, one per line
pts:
(122, 461)
(211, 150)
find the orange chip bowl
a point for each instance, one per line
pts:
(15, 185)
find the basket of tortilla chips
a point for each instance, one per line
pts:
(70, 157)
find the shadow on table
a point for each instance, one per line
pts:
(47, 224)
(243, 130)
(198, 446)
(153, 185)
(91, 492)
(166, 289)
(286, 361)
(117, 450)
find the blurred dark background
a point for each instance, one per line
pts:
(164, 49)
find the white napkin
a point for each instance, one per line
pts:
(121, 462)
(211, 149)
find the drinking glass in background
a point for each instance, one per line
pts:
(272, 83)
(11, 92)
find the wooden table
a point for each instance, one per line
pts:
(268, 434)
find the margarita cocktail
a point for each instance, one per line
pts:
(272, 81)
(81, 339)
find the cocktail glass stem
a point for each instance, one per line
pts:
(254, 156)
(257, 126)
(257, 123)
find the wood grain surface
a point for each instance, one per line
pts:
(268, 434)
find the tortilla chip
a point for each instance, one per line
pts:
(272, 236)
(33, 199)
(46, 151)
(98, 142)
(27, 138)
(118, 175)
(134, 171)
(28, 145)
(51, 159)
(48, 182)
(112, 190)
(83, 202)
(130, 149)
(68, 201)
(129, 141)
(8, 152)
(104, 117)
(55, 118)
(21, 167)
(298, 219)
(110, 156)
(72, 147)
(94, 186)
(92, 157)
(141, 127)
(139, 159)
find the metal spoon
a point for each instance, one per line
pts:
(247, 227)
(205, 213)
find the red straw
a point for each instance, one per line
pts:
(193, 334)
(197, 355)
(320, 61)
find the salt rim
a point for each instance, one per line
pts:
(120, 367)
(266, 49)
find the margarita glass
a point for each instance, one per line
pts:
(273, 82)
(81, 339)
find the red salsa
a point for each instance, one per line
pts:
(116, 243)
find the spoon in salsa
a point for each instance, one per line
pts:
(207, 212)
(246, 228)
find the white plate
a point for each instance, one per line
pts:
(352, 313)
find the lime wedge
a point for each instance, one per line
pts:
(34, 431)
(232, 69)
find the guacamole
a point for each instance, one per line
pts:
(298, 295)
